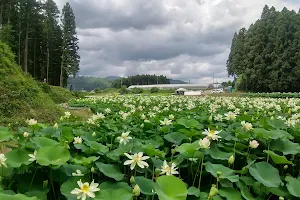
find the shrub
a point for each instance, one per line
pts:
(137, 91)
(97, 90)
(124, 90)
(154, 90)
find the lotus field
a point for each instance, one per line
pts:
(150, 148)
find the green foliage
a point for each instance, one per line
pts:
(184, 158)
(20, 96)
(137, 91)
(273, 95)
(57, 94)
(264, 58)
(124, 90)
(154, 90)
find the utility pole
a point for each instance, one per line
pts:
(213, 80)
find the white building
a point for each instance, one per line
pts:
(169, 86)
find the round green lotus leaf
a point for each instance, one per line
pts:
(266, 174)
(170, 188)
(52, 155)
(112, 171)
(17, 157)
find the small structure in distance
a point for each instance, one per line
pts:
(169, 86)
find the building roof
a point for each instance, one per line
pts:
(181, 89)
(168, 86)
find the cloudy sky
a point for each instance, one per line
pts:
(182, 39)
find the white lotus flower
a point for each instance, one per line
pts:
(169, 170)
(171, 117)
(291, 122)
(193, 160)
(246, 125)
(32, 156)
(136, 159)
(211, 134)
(31, 122)
(78, 173)
(124, 138)
(90, 121)
(107, 110)
(85, 189)
(67, 114)
(166, 122)
(218, 118)
(230, 116)
(204, 143)
(25, 134)
(3, 160)
(253, 144)
(77, 140)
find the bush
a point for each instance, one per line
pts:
(137, 91)
(57, 94)
(154, 90)
(124, 90)
(97, 90)
(79, 94)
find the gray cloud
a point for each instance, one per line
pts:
(188, 40)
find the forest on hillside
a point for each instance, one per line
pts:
(43, 39)
(266, 57)
(143, 79)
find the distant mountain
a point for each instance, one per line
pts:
(177, 82)
(112, 78)
(88, 83)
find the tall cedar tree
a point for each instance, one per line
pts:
(70, 57)
(32, 30)
(266, 58)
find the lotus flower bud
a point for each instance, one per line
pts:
(157, 171)
(94, 134)
(213, 192)
(231, 160)
(92, 169)
(219, 173)
(281, 198)
(173, 151)
(55, 126)
(136, 190)
(45, 183)
(132, 180)
(25, 134)
(285, 167)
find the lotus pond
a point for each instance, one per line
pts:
(157, 148)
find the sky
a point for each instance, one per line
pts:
(182, 39)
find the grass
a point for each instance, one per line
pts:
(22, 97)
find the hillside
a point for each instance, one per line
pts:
(21, 97)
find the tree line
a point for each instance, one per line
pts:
(144, 79)
(266, 57)
(44, 42)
